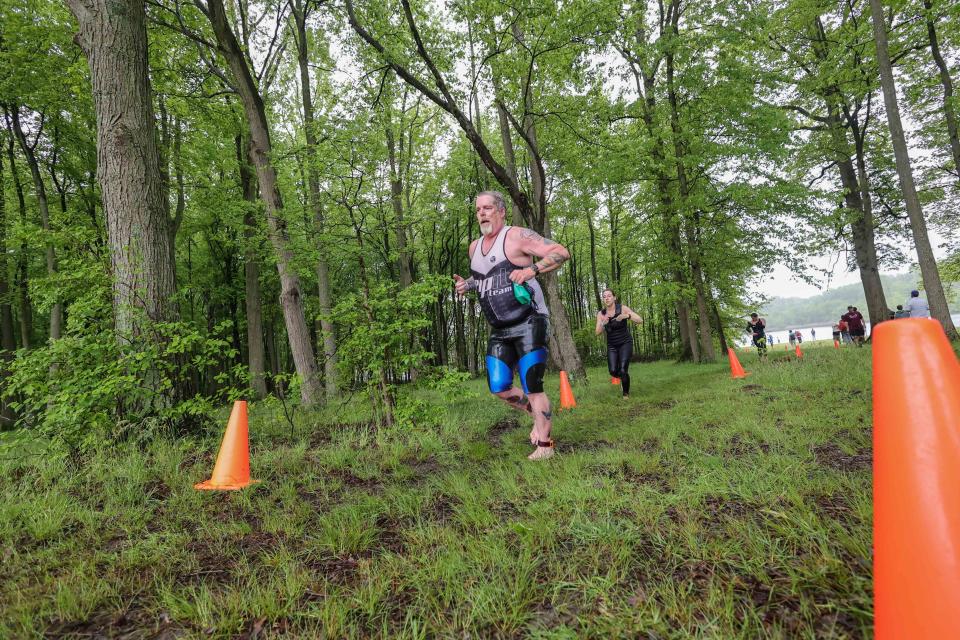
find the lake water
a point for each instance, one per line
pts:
(811, 334)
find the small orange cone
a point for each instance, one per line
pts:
(799, 353)
(836, 344)
(736, 369)
(232, 470)
(614, 380)
(916, 472)
(566, 393)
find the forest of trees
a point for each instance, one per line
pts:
(205, 200)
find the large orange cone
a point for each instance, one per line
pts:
(566, 393)
(736, 369)
(799, 353)
(916, 481)
(232, 470)
(614, 380)
(836, 344)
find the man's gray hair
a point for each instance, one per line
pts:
(498, 199)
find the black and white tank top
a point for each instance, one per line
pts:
(491, 271)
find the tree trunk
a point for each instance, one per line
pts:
(56, 311)
(256, 358)
(113, 35)
(948, 112)
(298, 334)
(593, 261)
(855, 183)
(928, 263)
(313, 184)
(22, 282)
(7, 342)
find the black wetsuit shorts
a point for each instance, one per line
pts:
(523, 347)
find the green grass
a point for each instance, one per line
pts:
(702, 507)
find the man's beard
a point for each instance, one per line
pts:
(486, 228)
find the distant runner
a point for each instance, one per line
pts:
(613, 319)
(504, 271)
(854, 320)
(757, 327)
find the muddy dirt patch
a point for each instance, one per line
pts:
(497, 429)
(832, 456)
(131, 624)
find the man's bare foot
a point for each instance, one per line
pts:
(544, 451)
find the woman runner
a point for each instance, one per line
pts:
(613, 319)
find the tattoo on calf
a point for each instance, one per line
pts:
(520, 402)
(547, 414)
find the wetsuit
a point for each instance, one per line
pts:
(759, 332)
(619, 347)
(519, 336)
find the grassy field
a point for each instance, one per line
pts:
(702, 507)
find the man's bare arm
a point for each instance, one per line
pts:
(551, 254)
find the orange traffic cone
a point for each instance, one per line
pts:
(799, 353)
(916, 472)
(566, 393)
(836, 344)
(736, 369)
(614, 380)
(232, 470)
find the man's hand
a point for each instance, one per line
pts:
(463, 286)
(522, 275)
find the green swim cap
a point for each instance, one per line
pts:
(521, 294)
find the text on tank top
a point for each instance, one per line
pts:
(491, 271)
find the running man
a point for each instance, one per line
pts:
(613, 319)
(503, 259)
(757, 327)
(857, 328)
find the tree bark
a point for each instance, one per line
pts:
(593, 261)
(313, 183)
(22, 282)
(7, 342)
(256, 358)
(928, 263)
(113, 35)
(56, 311)
(854, 180)
(291, 300)
(948, 112)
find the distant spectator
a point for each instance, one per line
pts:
(798, 336)
(844, 330)
(917, 306)
(791, 337)
(813, 333)
(836, 332)
(856, 324)
(901, 312)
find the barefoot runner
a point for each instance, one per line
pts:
(504, 264)
(613, 319)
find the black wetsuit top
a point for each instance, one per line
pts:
(757, 328)
(617, 331)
